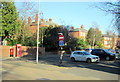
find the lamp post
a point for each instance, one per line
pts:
(38, 33)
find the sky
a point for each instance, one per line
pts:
(75, 14)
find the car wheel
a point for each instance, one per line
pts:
(73, 59)
(107, 58)
(88, 60)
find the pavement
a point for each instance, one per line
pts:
(27, 70)
(0, 68)
(48, 68)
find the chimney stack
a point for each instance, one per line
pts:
(50, 19)
(82, 26)
(72, 28)
(36, 18)
(42, 20)
(29, 20)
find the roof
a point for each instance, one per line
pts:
(50, 23)
(79, 51)
(78, 29)
(106, 35)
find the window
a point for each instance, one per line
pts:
(83, 34)
(101, 52)
(86, 53)
(105, 42)
(80, 33)
(94, 51)
(78, 53)
(75, 53)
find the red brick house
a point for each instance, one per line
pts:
(78, 32)
(43, 23)
(110, 41)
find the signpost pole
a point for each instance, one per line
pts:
(61, 44)
(61, 55)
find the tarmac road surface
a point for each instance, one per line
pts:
(49, 68)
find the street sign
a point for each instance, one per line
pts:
(61, 37)
(61, 43)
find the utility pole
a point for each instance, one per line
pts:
(38, 33)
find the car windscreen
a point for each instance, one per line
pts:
(107, 51)
(86, 53)
(111, 50)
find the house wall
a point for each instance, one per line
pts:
(110, 42)
(82, 35)
(33, 28)
(79, 34)
(74, 34)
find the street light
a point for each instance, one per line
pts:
(38, 34)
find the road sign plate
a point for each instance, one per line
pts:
(61, 43)
(61, 37)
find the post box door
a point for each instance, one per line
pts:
(19, 50)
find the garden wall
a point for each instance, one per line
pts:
(26, 50)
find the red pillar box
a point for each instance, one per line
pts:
(11, 51)
(18, 50)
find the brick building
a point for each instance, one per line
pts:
(110, 41)
(78, 32)
(42, 22)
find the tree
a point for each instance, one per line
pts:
(29, 10)
(112, 8)
(72, 44)
(94, 37)
(90, 36)
(42, 34)
(51, 39)
(98, 37)
(81, 43)
(10, 25)
(24, 33)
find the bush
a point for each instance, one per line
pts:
(81, 44)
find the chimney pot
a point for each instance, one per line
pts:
(82, 26)
(29, 20)
(36, 18)
(42, 20)
(72, 28)
(50, 19)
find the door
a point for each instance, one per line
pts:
(84, 56)
(79, 56)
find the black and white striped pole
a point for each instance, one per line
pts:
(61, 44)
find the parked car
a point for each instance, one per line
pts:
(118, 51)
(104, 54)
(117, 56)
(111, 50)
(89, 50)
(84, 56)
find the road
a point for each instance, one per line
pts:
(49, 68)
(106, 66)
